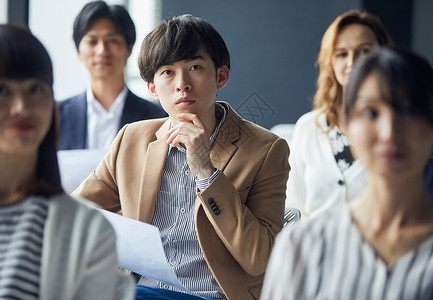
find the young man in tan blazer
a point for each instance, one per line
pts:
(212, 182)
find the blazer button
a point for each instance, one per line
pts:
(210, 200)
(340, 182)
(217, 212)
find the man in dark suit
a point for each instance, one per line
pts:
(104, 36)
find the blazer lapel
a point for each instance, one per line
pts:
(223, 147)
(152, 172)
(77, 115)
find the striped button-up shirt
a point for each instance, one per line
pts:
(174, 216)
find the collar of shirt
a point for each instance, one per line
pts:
(116, 108)
(102, 125)
(220, 114)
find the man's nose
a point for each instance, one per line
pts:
(183, 82)
(101, 47)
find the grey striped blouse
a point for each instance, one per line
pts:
(327, 258)
(21, 234)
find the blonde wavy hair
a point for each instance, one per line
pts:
(329, 92)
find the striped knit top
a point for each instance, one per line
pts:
(327, 258)
(21, 234)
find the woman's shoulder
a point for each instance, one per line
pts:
(310, 120)
(67, 208)
(306, 129)
(67, 201)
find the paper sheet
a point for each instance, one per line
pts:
(139, 245)
(76, 165)
(140, 250)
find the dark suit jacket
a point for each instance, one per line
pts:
(73, 118)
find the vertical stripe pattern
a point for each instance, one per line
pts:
(174, 216)
(327, 258)
(21, 235)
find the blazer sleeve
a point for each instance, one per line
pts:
(250, 219)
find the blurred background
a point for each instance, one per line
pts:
(273, 44)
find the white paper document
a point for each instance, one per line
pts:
(76, 165)
(139, 249)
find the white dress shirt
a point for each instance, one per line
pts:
(102, 125)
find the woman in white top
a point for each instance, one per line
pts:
(51, 245)
(323, 170)
(380, 245)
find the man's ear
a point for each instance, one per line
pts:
(79, 55)
(152, 90)
(222, 76)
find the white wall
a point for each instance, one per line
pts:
(52, 22)
(146, 15)
(3, 11)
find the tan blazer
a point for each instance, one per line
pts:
(249, 194)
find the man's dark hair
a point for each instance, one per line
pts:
(96, 10)
(177, 39)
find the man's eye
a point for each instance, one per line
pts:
(114, 40)
(166, 72)
(195, 67)
(92, 42)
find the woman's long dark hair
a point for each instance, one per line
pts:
(22, 56)
(406, 81)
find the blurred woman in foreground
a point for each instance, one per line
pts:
(51, 245)
(379, 246)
